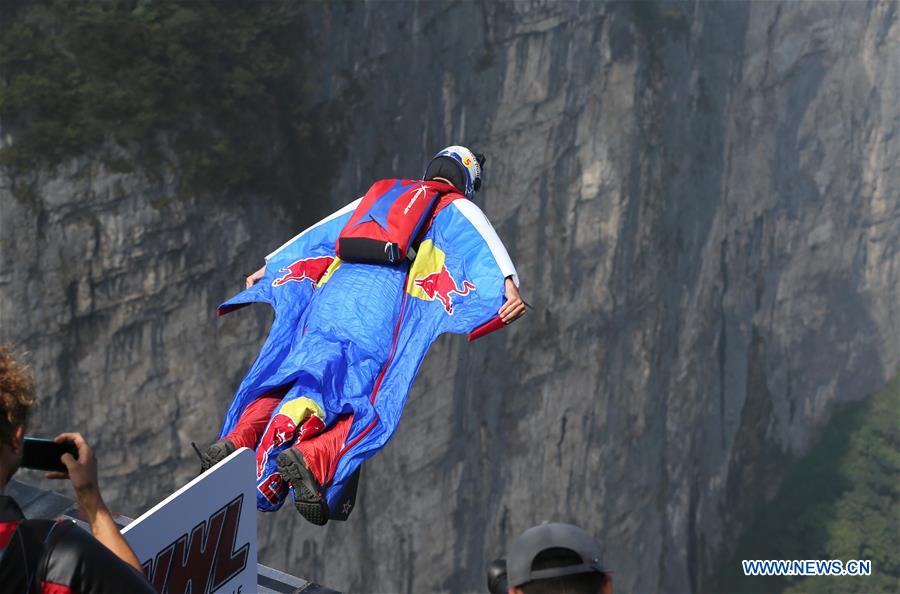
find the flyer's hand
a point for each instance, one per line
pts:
(254, 278)
(514, 308)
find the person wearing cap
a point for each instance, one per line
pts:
(556, 559)
(328, 388)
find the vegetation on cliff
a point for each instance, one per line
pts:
(841, 501)
(218, 82)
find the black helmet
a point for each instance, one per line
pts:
(460, 166)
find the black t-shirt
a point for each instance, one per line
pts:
(58, 557)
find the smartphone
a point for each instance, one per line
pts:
(46, 454)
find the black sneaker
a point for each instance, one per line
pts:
(215, 454)
(308, 498)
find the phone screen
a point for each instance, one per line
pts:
(45, 454)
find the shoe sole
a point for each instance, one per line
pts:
(308, 500)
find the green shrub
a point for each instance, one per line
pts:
(841, 501)
(220, 78)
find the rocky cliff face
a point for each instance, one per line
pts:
(701, 200)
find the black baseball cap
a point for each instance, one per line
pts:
(536, 540)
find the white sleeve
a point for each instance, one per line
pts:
(350, 207)
(484, 227)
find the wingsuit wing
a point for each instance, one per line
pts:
(455, 284)
(297, 265)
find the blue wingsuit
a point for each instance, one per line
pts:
(348, 338)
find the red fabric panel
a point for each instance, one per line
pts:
(492, 325)
(51, 588)
(6, 532)
(377, 189)
(253, 420)
(443, 202)
(321, 452)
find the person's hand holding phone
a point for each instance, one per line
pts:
(82, 472)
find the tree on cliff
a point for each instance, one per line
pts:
(218, 81)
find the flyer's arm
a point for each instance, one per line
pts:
(481, 223)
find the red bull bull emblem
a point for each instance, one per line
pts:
(441, 286)
(431, 280)
(280, 431)
(310, 269)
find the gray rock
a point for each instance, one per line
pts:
(702, 203)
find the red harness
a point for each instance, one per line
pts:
(391, 217)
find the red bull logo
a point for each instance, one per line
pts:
(273, 488)
(279, 432)
(431, 280)
(310, 269)
(310, 428)
(298, 419)
(441, 286)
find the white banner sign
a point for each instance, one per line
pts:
(202, 538)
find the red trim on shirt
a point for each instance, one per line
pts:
(6, 531)
(51, 588)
